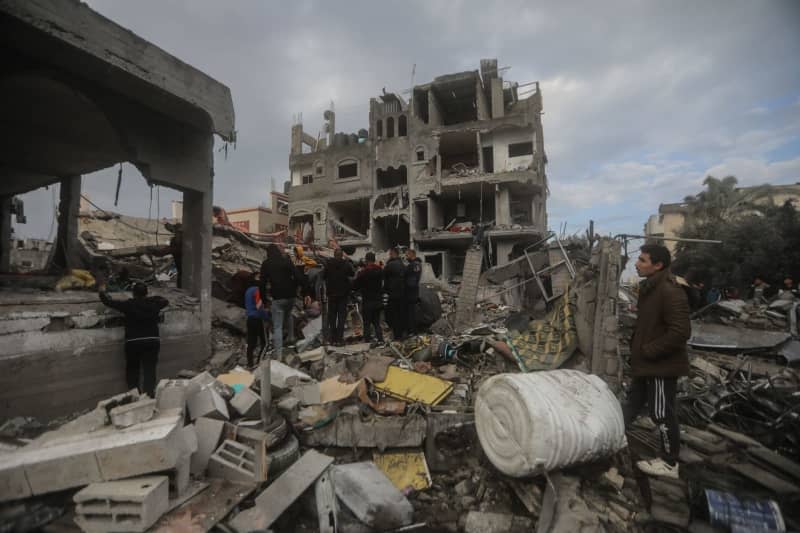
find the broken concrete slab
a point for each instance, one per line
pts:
(209, 433)
(307, 393)
(205, 379)
(172, 394)
(63, 460)
(349, 430)
(449, 427)
(564, 509)
(207, 402)
(130, 414)
(479, 522)
(247, 403)
(289, 407)
(371, 496)
(122, 506)
(283, 377)
(271, 503)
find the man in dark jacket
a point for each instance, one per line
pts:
(338, 274)
(282, 277)
(256, 316)
(413, 275)
(394, 283)
(142, 340)
(658, 354)
(369, 282)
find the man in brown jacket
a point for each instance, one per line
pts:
(658, 354)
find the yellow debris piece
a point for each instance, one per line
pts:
(414, 387)
(405, 469)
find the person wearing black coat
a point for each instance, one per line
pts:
(369, 282)
(142, 339)
(338, 274)
(413, 275)
(394, 283)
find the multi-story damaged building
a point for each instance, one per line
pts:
(462, 161)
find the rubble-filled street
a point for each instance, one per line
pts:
(237, 319)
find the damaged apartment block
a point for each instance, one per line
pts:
(461, 163)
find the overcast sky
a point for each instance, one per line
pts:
(642, 100)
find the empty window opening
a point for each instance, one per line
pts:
(390, 127)
(521, 210)
(520, 149)
(421, 215)
(302, 227)
(457, 99)
(348, 169)
(488, 159)
(435, 260)
(421, 105)
(402, 126)
(379, 129)
(432, 166)
(308, 179)
(420, 155)
(459, 152)
(349, 219)
(392, 200)
(392, 177)
(467, 210)
(319, 170)
(390, 231)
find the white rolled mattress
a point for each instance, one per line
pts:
(533, 423)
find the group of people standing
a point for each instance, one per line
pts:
(280, 279)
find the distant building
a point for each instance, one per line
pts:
(670, 219)
(29, 255)
(263, 219)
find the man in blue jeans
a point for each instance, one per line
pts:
(279, 273)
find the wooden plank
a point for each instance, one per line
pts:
(735, 436)
(765, 478)
(206, 509)
(271, 503)
(776, 460)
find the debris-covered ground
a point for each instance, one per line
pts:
(500, 425)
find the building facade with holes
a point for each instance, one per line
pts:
(461, 161)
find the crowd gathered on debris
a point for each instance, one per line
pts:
(344, 401)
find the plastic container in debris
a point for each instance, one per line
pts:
(533, 423)
(728, 512)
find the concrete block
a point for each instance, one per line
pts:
(259, 441)
(233, 461)
(179, 478)
(190, 439)
(122, 506)
(172, 394)
(132, 413)
(205, 379)
(371, 496)
(247, 403)
(282, 377)
(63, 467)
(479, 522)
(307, 393)
(207, 402)
(289, 407)
(209, 434)
(119, 399)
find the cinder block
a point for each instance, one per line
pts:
(208, 403)
(209, 433)
(172, 394)
(257, 440)
(122, 506)
(132, 413)
(247, 403)
(289, 407)
(233, 461)
(205, 379)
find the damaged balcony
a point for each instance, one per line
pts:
(454, 216)
(348, 222)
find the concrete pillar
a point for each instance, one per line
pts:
(498, 107)
(503, 250)
(502, 207)
(297, 139)
(434, 115)
(66, 254)
(5, 233)
(197, 250)
(481, 101)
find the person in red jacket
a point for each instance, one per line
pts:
(658, 355)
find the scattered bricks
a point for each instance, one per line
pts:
(207, 402)
(133, 413)
(122, 506)
(247, 403)
(172, 394)
(233, 461)
(209, 433)
(289, 407)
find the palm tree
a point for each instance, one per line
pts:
(722, 200)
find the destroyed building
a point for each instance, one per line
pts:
(464, 154)
(80, 94)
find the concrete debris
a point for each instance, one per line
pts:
(237, 462)
(209, 433)
(349, 430)
(206, 402)
(371, 496)
(172, 394)
(125, 506)
(129, 414)
(479, 522)
(247, 403)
